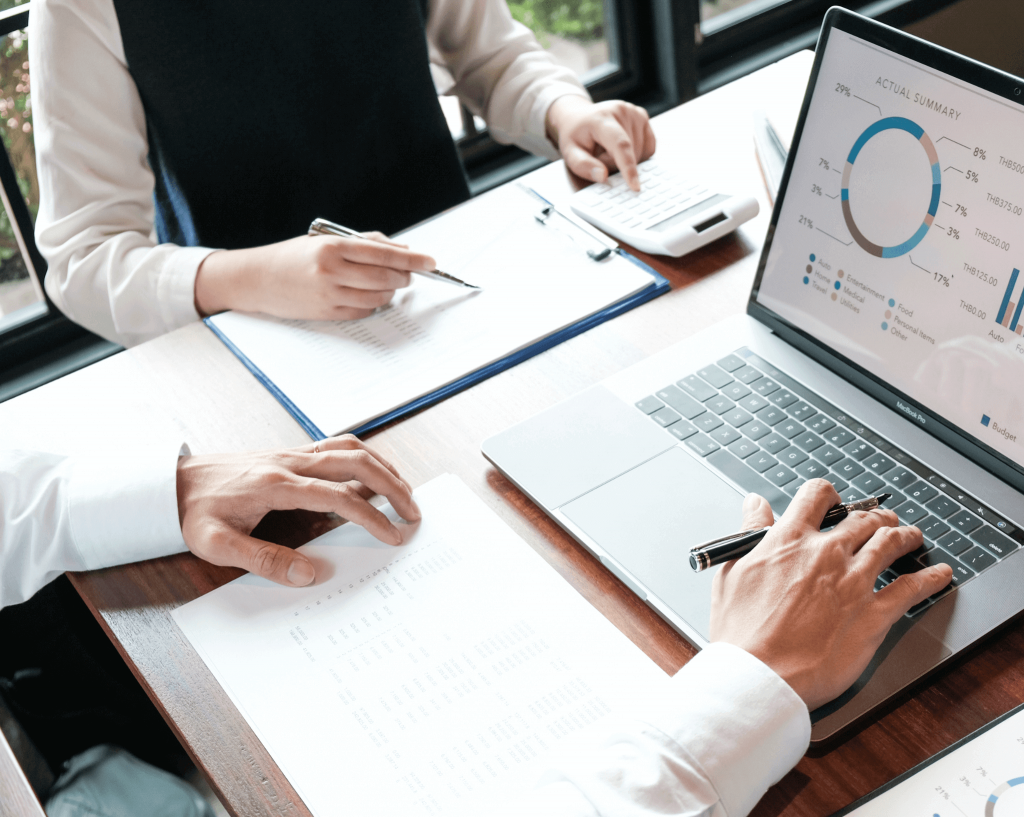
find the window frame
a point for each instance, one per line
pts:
(41, 343)
(745, 39)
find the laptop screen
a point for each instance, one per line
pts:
(898, 242)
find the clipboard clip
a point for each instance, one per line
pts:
(547, 216)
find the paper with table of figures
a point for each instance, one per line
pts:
(409, 680)
(984, 777)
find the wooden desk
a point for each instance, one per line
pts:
(193, 380)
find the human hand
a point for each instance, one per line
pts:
(222, 497)
(319, 277)
(595, 138)
(803, 600)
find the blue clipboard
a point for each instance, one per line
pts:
(659, 285)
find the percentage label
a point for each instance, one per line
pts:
(954, 232)
(815, 190)
(843, 89)
(961, 210)
(972, 176)
(941, 279)
(980, 153)
(807, 222)
(823, 163)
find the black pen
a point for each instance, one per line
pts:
(719, 551)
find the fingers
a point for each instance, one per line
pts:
(583, 164)
(374, 254)
(364, 276)
(757, 513)
(912, 589)
(342, 498)
(877, 538)
(341, 466)
(227, 546)
(811, 503)
(348, 442)
(383, 239)
(367, 299)
(861, 526)
(613, 138)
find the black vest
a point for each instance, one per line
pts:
(263, 115)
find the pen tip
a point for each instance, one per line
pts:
(884, 497)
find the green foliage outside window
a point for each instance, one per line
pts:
(581, 20)
(16, 132)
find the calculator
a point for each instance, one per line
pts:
(669, 216)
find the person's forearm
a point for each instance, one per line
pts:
(229, 279)
(499, 68)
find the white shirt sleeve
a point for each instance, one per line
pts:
(59, 513)
(725, 729)
(498, 69)
(95, 225)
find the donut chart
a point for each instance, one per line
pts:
(990, 806)
(915, 130)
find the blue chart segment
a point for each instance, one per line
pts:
(915, 130)
(990, 806)
(1009, 311)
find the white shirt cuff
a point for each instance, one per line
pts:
(535, 139)
(123, 506)
(736, 717)
(176, 286)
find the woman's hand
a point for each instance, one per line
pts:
(596, 138)
(319, 277)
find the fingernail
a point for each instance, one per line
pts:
(597, 174)
(416, 510)
(751, 501)
(396, 536)
(301, 573)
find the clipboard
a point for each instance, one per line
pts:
(657, 285)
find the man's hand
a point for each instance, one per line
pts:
(803, 600)
(222, 497)
(323, 278)
(596, 138)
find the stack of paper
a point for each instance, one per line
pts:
(411, 679)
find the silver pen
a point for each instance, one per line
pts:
(322, 226)
(735, 545)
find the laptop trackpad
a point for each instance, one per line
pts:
(649, 518)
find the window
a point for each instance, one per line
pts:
(20, 289)
(37, 343)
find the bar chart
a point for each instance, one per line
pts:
(1009, 310)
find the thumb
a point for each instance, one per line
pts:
(583, 164)
(279, 564)
(757, 513)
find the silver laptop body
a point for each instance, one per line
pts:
(885, 318)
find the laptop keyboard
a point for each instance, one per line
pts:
(769, 435)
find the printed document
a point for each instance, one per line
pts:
(535, 279)
(411, 680)
(982, 778)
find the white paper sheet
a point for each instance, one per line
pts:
(410, 680)
(983, 778)
(536, 280)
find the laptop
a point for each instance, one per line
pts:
(881, 349)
